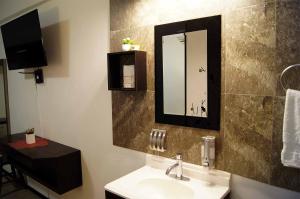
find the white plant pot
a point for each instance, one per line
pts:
(30, 138)
(126, 47)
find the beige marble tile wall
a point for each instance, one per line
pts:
(258, 41)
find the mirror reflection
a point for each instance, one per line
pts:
(174, 74)
(185, 73)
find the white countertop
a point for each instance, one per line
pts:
(150, 182)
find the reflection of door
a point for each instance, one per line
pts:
(4, 124)
(196, 71)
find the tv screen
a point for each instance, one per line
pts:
(23, 42)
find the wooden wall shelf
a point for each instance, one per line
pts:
(115, 63)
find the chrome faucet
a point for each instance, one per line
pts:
(178, 166)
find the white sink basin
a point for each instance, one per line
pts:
(150, 182)
(164, 189)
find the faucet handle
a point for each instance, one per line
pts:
(178, 156)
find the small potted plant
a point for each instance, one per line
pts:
(126, 44)
(30, 136)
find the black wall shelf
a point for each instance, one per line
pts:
(115, 62)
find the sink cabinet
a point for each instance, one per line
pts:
(109, 195)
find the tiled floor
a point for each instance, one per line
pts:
(19, 194)
(22, 194)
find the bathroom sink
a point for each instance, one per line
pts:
(164, 188)
(150, 182)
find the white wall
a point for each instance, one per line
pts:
(74, 105)
(244, 188)
(2, 53)
(7, 10)
(23, 102)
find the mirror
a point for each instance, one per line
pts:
(194, 102)
(187, 72)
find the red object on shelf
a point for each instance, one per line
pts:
(21, 144)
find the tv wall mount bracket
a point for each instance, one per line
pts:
(38, 75)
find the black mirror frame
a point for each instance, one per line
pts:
(213, 27)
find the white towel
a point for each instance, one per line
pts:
(290, 154)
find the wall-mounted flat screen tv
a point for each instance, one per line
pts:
(23, 43)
